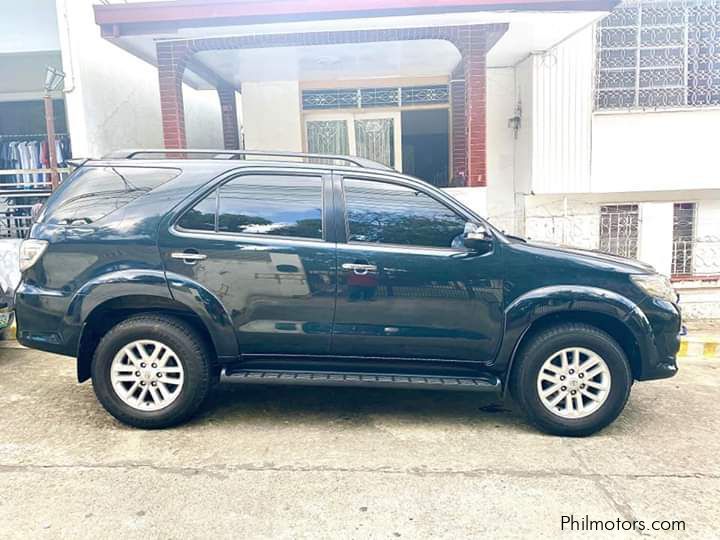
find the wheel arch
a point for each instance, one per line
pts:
(107, 314)
(606, 310)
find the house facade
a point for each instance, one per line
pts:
(551, 118)
(625, 121)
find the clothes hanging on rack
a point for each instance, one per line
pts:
(30, 152)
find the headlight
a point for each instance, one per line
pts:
(656, 285)
(30, 252)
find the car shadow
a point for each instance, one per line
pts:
(242, 403)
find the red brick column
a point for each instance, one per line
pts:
(172, 60)
(228, 108)
(458, 135)
(469, 104)
(476, 113)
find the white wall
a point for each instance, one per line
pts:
(113, 98)
(656, 151)
(501, 101)
(272, 118)
(28, 26)
(562, 115)
(655, 239)
(203, 118)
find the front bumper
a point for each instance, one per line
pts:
(660, 341)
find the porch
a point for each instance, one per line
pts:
(403, 82)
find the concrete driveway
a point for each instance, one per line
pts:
(331, 463)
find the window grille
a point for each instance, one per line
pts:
(683, 239)
(360, 98)
(659, 53)
(619, 229)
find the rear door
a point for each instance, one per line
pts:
(407, 286)
(259, 243)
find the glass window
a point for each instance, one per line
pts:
(272, 205)
(94, 192)
(390, 214)
(201, 217)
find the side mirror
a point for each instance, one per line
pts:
(477, 238)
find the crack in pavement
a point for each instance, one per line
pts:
(220, 470)
(606, 486)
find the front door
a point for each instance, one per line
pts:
(259, 244)
(407, 287)
(375, 136)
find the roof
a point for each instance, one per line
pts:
(144, 17)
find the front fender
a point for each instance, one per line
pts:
(522, 312)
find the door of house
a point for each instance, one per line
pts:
(376, 136)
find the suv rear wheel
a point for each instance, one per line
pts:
(151, 371)
(572, 379)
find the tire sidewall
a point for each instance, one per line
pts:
(135, 330)
(620, 382)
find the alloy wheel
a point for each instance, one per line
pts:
(573, 382)
(147, 375)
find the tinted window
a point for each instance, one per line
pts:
(94, 192)
(272, 205)
(201, 217)
(390, 214)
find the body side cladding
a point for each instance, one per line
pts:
(210, 310)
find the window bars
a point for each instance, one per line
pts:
(658, 54)
(619, 229)
(364, 98)
(683, 239)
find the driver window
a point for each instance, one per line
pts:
(382, 213)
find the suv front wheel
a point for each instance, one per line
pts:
(151, 371)
(572, 379)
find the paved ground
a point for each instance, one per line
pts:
(325, 463)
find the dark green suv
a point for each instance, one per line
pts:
(164, 275)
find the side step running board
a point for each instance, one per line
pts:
(480, 383)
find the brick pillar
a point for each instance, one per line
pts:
(172, 60)
(475, 109)
(228, 108)
(457, 128)
(469, 103)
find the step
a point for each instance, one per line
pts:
(479, 383)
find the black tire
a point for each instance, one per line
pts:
(530, 359)
(191, 352)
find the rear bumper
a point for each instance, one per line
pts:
(41, 323)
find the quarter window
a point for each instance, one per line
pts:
(390, 214)
(272, 205)
(201, 217)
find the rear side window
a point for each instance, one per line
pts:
(269, 205)
(95, 192)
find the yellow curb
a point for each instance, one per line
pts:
(683, 348)
(711, 349)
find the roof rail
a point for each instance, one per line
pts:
(242, 154)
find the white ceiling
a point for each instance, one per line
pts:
(26, 73)
(527, 32)
(334, 62)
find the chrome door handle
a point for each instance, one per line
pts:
(359, 269)
(189, 256)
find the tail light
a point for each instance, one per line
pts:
(30, 253)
